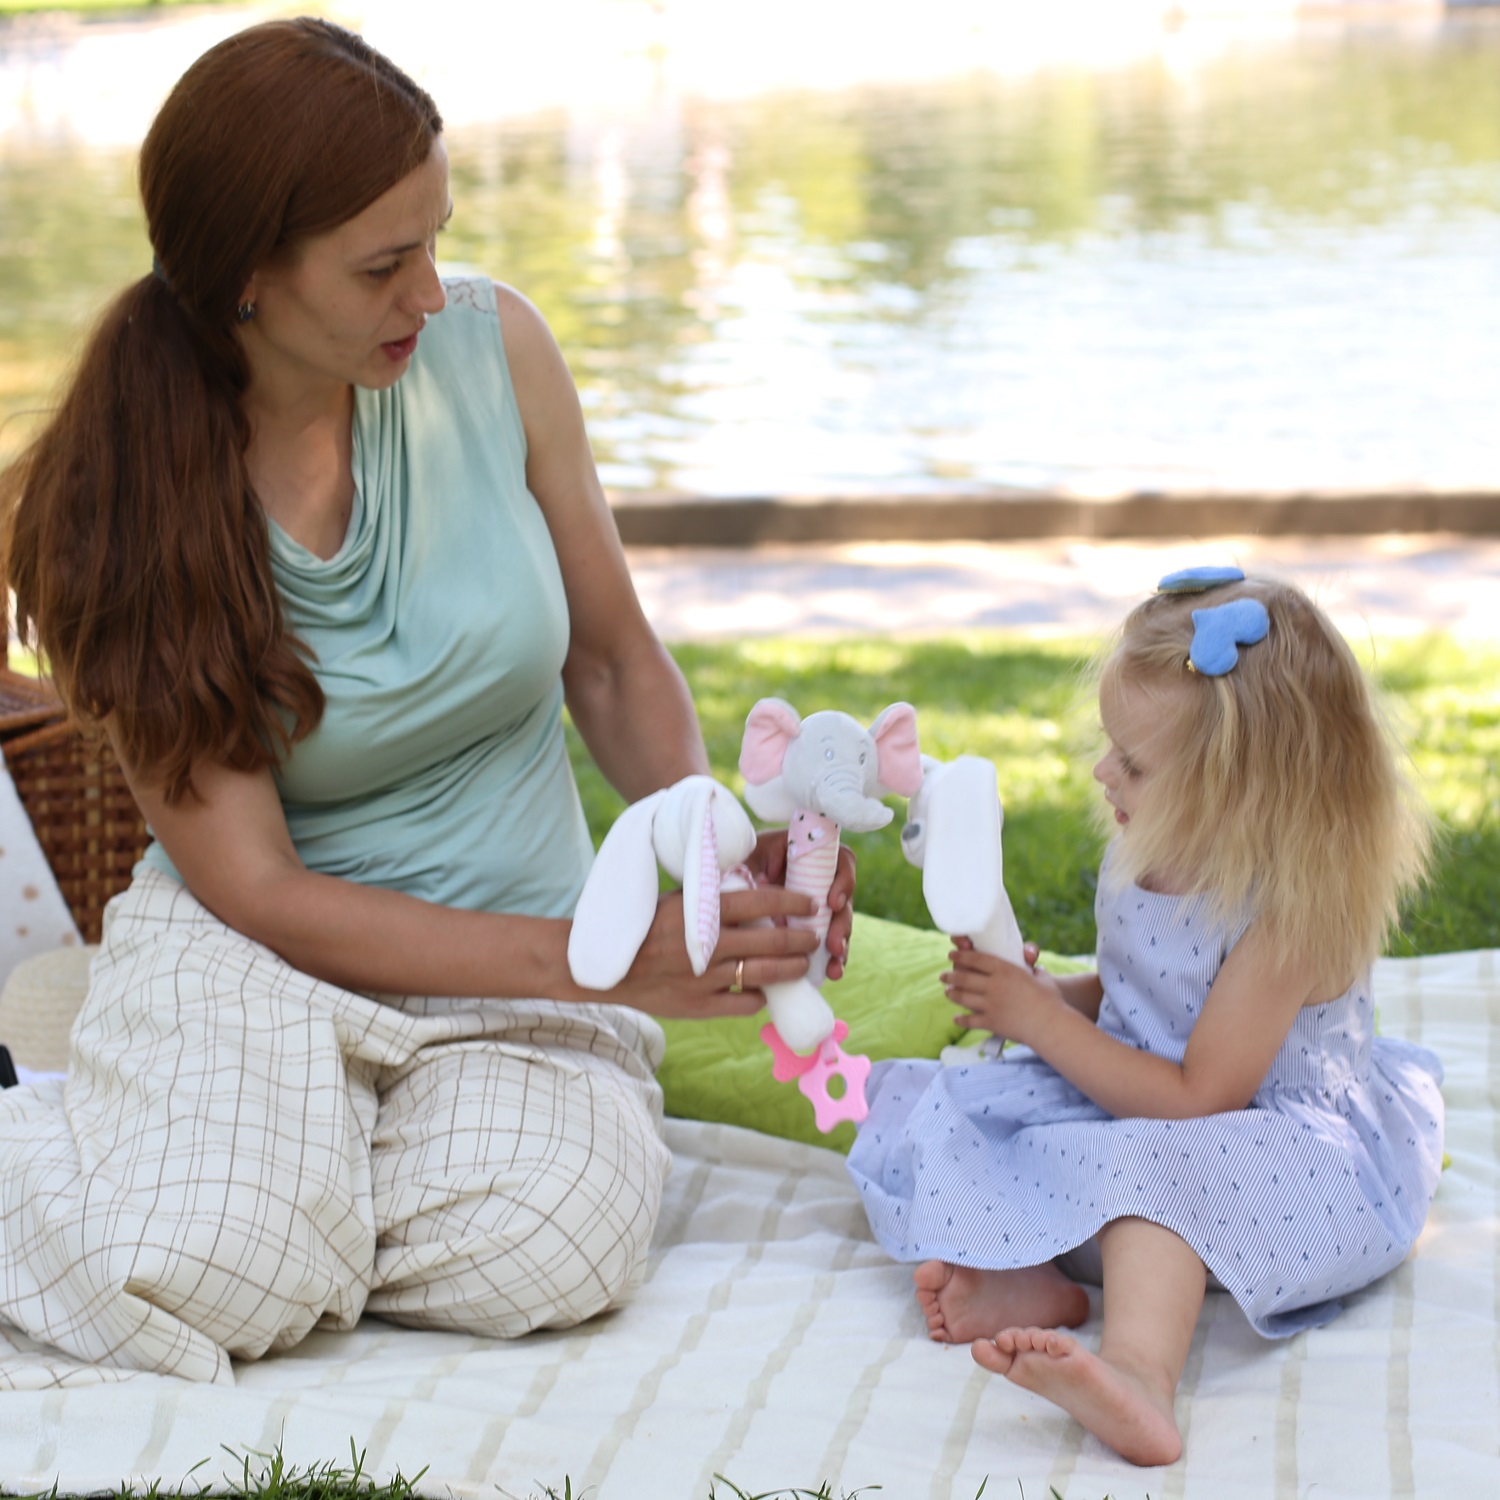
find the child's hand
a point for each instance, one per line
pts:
(997, 996)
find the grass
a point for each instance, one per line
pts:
(270, 1477)
(1020, 703)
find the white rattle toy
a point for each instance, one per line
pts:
(820, 775)
(952, 835)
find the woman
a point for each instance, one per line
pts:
(318, 539)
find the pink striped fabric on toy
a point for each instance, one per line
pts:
(708, 904)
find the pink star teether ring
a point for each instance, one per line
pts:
(814, 1071)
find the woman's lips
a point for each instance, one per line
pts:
(399, 349)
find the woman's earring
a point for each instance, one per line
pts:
(245, 311)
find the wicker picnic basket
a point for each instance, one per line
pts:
(74, 792)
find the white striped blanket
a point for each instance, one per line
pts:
(772, 1343)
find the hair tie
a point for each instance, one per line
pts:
(160, 274)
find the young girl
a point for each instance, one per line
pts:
(1213, 1101)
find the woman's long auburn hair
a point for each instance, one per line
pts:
(133, 539)
(1281, 792)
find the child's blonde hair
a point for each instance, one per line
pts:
(1280, 792)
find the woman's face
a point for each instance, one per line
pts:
(345, 308)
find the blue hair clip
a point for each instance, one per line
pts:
(1198, 580)
(1219, 632)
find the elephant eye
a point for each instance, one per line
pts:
(828, 754)
(862, 755)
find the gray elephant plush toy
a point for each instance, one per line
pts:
(820, 775)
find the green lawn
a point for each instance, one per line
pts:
(1020, 703)
(270, 1477)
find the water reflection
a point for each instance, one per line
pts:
(1278, 266)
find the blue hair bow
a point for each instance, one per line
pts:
(1198, 580)
(1218, 633)
(1220, 630)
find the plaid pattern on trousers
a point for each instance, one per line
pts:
(242, 1153)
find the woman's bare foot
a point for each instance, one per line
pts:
(1115, 1404)
(961, 1303)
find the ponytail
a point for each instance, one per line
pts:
(139, 557)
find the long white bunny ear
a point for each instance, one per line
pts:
(961, 867)
(614, 912)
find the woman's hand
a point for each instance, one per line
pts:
(755, 948)
(767, 863)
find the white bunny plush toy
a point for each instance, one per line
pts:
(697, 832)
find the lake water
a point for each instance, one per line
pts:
(1259, 253)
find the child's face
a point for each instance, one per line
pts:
(1139, 725)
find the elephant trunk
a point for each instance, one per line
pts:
(846, 803)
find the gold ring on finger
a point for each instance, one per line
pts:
(738, 986)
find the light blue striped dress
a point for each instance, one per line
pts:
(1316, 1189)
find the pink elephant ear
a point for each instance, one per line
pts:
(895, 734)
(769, 728)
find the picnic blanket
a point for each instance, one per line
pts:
(773, 1344)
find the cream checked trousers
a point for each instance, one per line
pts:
(242, 1153)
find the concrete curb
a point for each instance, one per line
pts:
(1017, 515)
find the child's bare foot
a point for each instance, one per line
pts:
(1115, 1404)
(961, 1303)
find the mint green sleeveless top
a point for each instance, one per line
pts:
(439, 631)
